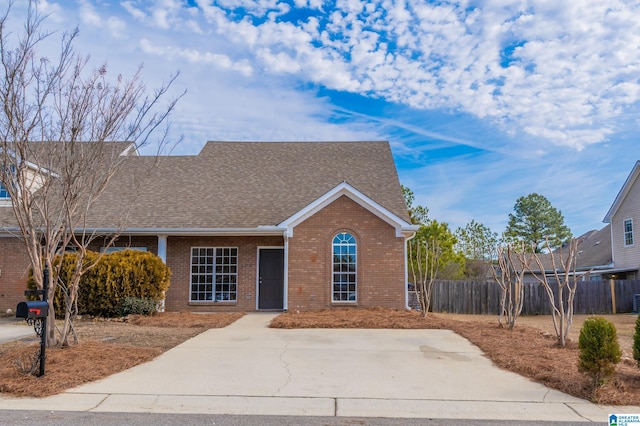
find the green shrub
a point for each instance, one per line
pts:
(115, 277)
(599, 349)
(138, 306)
(636, 342)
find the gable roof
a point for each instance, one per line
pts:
(626, 187)
(239, 186)
(593, 253)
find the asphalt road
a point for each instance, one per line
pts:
(70, 418)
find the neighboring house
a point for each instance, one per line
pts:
(624, 218)
(593, 257)
(248, 226)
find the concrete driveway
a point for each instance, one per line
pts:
(12, 329)
(247, 368)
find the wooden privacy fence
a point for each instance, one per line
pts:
(483, 297)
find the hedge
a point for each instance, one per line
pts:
(106, 288)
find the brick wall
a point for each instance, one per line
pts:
(14, 269)
(179, 260)
(380, 263)
(380, 259)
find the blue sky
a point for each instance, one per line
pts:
(482, 101)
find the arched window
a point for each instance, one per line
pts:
(344, 268)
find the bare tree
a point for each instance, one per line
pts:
(58, 124)
(563, 273)
(511, 272)
(424, 258)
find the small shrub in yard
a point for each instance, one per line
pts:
(138, 306)
(636, 342)
(599, 349)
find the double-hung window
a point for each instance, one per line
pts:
(214, 274)
(628, 232)
(8, 172)
(344, 268)
(4, 193)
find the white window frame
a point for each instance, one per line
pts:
(5, 197)
(627, 235)
(218, 282)
(4, 192)
(341, 270)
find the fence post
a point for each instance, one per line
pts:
(612, 286)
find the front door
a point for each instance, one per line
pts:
(271, 279)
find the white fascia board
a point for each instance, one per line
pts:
(347, 190)
(623, 192)
(210, 232)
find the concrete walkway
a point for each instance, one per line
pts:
(247, 368)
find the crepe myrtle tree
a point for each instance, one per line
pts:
(58, 121)
(509, 274)
(430, 253)
(560, 284)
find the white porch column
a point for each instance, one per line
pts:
(162, 254)
(162, 247)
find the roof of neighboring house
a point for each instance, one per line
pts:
(594, 249)
(594, 252)
(635, 172)
(244, 184)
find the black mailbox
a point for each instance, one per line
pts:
(34, 309)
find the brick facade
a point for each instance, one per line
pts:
(14, 269)
(380, 263)
(179, 260)
(380, 259)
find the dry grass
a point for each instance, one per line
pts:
(530, 349)
(106, 347)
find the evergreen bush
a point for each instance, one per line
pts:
(114, 278)
(599, 349)
(138, 306)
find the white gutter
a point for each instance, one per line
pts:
(406, 271)
(187, 232)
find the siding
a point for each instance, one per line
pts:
(627, 257)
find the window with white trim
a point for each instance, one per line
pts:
(8, 174)
(628, 232)
(214, 274)
(4, 193)
(344, 283)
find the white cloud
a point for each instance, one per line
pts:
(194, 56)
(552, 70)
(88, 14)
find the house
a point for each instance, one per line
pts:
(623, 216)
(592, 261)
(612, 252)
(250, 226)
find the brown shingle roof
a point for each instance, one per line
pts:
(244, 184)
(594, 252)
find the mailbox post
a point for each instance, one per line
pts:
(36, 313)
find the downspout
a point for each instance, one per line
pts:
(285, 300)
(406, 271)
